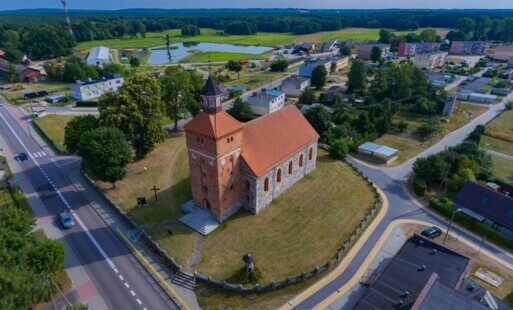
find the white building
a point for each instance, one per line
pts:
(98, 56)
(430, 60)
(266, 101)
(294, 85)
(93, 89)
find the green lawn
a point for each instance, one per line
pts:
(53, 126)
(503, 169)
(497, 145)
(408, 147)
(153, 39)
(199, 56)
(502, 127)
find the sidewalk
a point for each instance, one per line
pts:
(46, 221)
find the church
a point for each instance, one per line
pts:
(234, 165)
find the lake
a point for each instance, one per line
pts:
(181, 50)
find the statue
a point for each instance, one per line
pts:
(248, 260)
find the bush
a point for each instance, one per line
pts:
(419, 186)
(86, 104)
(339, 149)
(509, 105)
(244, 277)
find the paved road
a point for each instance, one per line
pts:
(118, 278)
(499, 154)
(392, 182)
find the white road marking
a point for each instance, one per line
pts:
(139, 301)
(34, 155)
(121, 277)
(66, 203)
(41, 154)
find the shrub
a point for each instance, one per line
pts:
(419, 186)
(86, 104)
(509, 105)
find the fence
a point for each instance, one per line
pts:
(170, 262)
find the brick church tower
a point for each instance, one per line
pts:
(214, 143)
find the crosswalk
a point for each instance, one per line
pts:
(38, 154)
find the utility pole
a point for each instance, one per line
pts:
(450, 224)
(66, 16)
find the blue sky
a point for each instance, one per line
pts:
(317, 4)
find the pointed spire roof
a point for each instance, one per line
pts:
(211, 88)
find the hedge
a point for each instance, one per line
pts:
(419, 186)
(86, 104)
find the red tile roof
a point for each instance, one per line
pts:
(213, 125)
(274, 137)
(2, 53)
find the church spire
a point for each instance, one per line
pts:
(211, 96)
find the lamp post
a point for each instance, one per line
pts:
(450, 223)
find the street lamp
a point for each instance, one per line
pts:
(450, 223)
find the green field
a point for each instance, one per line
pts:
(498, 145)
(198, 56)
(503, 169)
(153, 39)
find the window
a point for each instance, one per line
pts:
(278, 176)
(205, 189)
(247, 185)
(231, 139)
(310, 154)
(231, 187)
(198, 139)
(228, 140)
(301, 160)
(266, 184)
(290, 167)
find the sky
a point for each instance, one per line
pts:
(309, 4)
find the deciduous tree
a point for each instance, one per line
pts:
(319, 77)
(76, 128)
(357, 77)
(241, 110)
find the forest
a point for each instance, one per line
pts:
(44, 36)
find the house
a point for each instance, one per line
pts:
(486, 205)
(341, 63)
(425, 275)
(305, 47)
(234, 165)
(430, 60)
(329, 46)
(32, 74)
(294, 85)
(98, 56)
(414, 48)
(93, 89)
(266, 101)
(298, 61)
(365, 50)
(469, 48)
(503, 53)
(333, 90)
(377, 152)
(307, 69)
(55, 98)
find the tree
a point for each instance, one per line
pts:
(234, 66)
(339, 149)
(346, 50)
(178, 92)
(113, 68)
(319, 118)
(466, 25)
(385, 36)
(375, 53)
(319, 77)
(428, 35)
(134, 62)
(16, 220)
(429, 129)
(12, 74)
(46, 256)
(76, 128)
(357, 77)
(307, 96)
(432, 168)
(105, 153)
(241, 110)
(135, 109)
(12, 54)
(279, 65)
(402, 125)
(483, 26)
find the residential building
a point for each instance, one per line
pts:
(31, 74)
(307, 69)
(377, 152)
(329, 46)
(486, 205)
(294, 85)
(503, 53)
(414, 48)
(266, 101)
(425, 275)
(469, 48)
(93, 89)
(98, 56)
(341, 63)
(305, 47)
(234, 165)
(333, 90)
(295, 62)
(430, 60)
(365, 50)
(307, 107)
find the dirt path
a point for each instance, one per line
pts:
(196, 256)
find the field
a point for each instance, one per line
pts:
(292, 226)
(501, 127)
(502, 169)
(498, 145)
(53, 125)
(198, 57)
(153, 39)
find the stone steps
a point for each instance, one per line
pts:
(184, 280)
(200, 220)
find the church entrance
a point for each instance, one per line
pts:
(206, 204)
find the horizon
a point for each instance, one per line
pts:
(112, 5)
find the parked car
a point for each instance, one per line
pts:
(432, 232)
(66, 220)
(22, 156)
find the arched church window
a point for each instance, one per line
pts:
(266, 184)
(278, 176)
(310, 154)
(290, 167)
(301, 160)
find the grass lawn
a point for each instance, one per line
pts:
(460, 116)
(262, 38)
(408, 147)
(199, 56)
(503, 169)
(53, 125)
(502, 126)
(497, 145)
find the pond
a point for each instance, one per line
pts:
(182, 50)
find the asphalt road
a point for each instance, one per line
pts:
(392, 182)
(117, 276)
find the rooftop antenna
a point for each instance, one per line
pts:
(66, 16)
